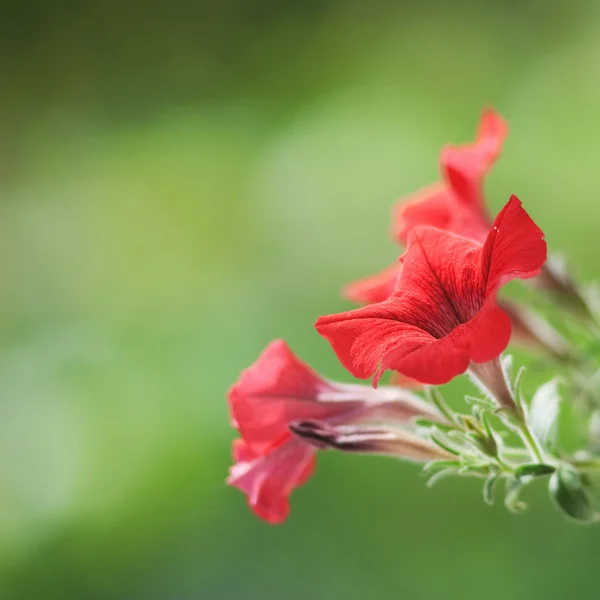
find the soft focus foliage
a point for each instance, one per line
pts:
(183, 182)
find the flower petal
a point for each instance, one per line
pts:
(487, 334)
(268, 480)
(441, 282)
(375, 288)
(431, 206)
(361, 338)
(515, 247)
(465, 166)
(275, 390)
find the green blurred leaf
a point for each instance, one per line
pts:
(438, 465)
(544, 413)
(518, 385)
(470, 444)
(427, 424)
(533, 470)
(488, 488)
(444, 442)
(443, 474)
(511, 499)
(434, 395)
(482, 402)
(570, 496)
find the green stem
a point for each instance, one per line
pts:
(592, 464)
(505, 467)
(530, 441)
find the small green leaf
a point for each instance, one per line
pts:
(511, 499)
(443, 474)
(485, 420)
(481, 402)
(533, 470)
(518, 385)
(487, 445)
(470, 423)
(544, 414)
(437, 465)
(434, 395)
(488, 488)
(444, 442)
(426, 423)
(469, 443)
(475, 470)
(570, 496)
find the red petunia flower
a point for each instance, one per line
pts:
(528, 328)
(443, 314)
(456, 204)
(280, 390)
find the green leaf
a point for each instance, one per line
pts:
(570, 496)
(469, 444)
(544, 414)
(435, 396)
(533, 470)
(488, 488)
(518, 385)
(427, 424)
(495, 437)
(485, 420)
(444, 442)
(475, 469)
(470, 423)
(437, 465)
(481, 402)
(443, 474)
(437, 470)
(511, 499)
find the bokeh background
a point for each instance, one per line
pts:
(180, 183)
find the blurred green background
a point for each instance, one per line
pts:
(182, 182)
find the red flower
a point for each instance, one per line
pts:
(457, 203)
(443, 314)
(279, 390)
(528, 329)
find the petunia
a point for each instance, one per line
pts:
(279, 390)
(443, 316)
(457, 203)
(528, 328)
